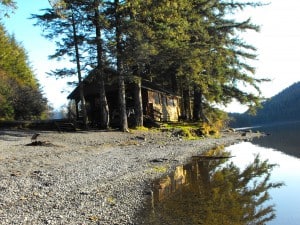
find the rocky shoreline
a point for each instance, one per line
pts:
(89, 177)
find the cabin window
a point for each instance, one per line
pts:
(156, 98)
(164, 100)
(171, 102)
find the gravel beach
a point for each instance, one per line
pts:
(93, 177)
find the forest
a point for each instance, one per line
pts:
(191, 47)
(283, 107)
(20, 94)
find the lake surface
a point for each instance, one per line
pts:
(243, 186)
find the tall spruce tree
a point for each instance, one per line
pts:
(104, 109)
(96, 24)
(7, 7)
(189, 46)
(62, 23)
(132, 53)
(8, 3)
(138, 50)
(200, 45)
(90, 21)
(231, 57)
(119, 40)
(214, 56)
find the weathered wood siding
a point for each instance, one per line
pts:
(166, 108)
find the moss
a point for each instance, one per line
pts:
(192, 131)
(140, 129)
(217, 151)
(111, 200)
(160, 169)
(94, 218)
(129, 142)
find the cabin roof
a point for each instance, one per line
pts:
(91, 86)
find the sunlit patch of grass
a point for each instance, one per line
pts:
(111, 200)
(219, 152)
(192, 131)
(129, 142)
(160, 169)
(141, 128)
(216, 151)
(94, 218)
(184, 132)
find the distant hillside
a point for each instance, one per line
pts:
(283, 107)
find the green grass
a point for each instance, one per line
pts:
(160, 169)
(190, 131)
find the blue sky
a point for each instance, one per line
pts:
(278, 46)
(38, 49)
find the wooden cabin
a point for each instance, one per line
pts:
(158, 104)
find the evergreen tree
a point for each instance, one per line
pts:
(6, 7)
(104, 109)
(191, 47)
(133, 55)
(200, 47)
(117, 18)
(119, 24)
(6, 92)
(20, 95)
(63, 23)
(8, 3)
(95, 23)
(86, 18)
(231, 60)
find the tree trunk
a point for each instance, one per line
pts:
(138, 103)
(198, 114)
(122, 104)
(186, 104)
(122, 94)
(104, 109)
(81, 88)
(197, 104)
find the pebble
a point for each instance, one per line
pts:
(85, 178)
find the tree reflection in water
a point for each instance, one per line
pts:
(213, 192)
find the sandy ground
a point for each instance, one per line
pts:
(88, 177)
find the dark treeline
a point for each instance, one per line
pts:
(20, 94)
(191, 47)
(283, 107)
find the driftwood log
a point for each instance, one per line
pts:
(212, 157)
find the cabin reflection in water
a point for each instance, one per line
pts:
(169, 184)
(212, 192)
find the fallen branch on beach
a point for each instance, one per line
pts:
(213, 157)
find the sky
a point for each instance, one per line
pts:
(278, 47)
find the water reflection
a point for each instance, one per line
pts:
(213, 192)
(286, 199)
(283, 137)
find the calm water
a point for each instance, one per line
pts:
(244, 189)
